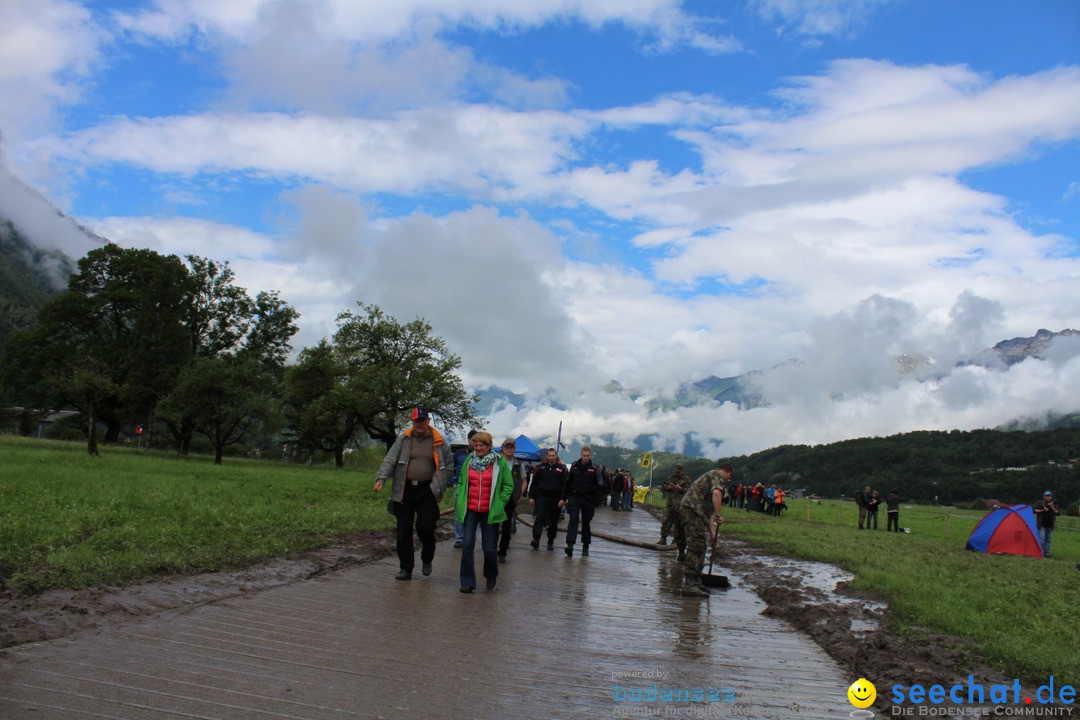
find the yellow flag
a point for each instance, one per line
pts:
(646, 460)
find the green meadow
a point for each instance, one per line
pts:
(1022, 613)
(71, 520)
(68, 519)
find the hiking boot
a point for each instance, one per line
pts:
(426, 569)
(551, 545)
(584, 551)
(502, 557)
(535, 544)
(569, 551)
(458, 544)
(403, 575)
(491, 584)
(694, 591)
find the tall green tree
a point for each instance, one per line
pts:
(226, 398)
(319, 401)
(393, 367)
(223, 320)
(111, 344)
(368, 378)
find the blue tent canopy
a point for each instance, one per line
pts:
(526, 449)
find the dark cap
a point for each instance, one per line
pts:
(419, 413)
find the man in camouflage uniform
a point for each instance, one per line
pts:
(702, 511)
(674, 488)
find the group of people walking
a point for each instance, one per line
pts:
(488, 484)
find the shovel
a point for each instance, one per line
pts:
(710, 580)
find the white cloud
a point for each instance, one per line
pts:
(819, 17)
(38, 221)
(455, 149)
(382, 21)
(48, 49)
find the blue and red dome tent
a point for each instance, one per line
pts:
(1008, 530)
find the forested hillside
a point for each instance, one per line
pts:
(28, 277)
(956, 467)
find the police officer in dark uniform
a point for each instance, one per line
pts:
(583, 485)
(546, 496)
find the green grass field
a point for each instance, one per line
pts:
(1021, 612)
(71, 520)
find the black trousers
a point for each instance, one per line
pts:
(417, 512)
(576, 506)
(547, 515)
(506, 529)
(894, 522)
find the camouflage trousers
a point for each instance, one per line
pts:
(673, 526)
(696, 534)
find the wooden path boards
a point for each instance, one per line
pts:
(558, 638)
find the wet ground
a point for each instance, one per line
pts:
(333, 635)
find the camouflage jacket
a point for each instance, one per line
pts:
(671, 487)
(698, 497)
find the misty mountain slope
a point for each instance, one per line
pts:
(28, 277)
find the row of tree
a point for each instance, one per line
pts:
(140, 337)
(928, 466)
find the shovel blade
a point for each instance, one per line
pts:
(716, 581)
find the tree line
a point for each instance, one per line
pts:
(141, 338)
(928, 466)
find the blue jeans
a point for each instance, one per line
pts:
(628, 499)
(489, 535)
(1044, 537)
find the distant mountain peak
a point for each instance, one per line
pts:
(1021, 348)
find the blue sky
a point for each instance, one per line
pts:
(652, 191)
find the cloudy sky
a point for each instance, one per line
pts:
(575, 191)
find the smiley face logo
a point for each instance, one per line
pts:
(862, 693)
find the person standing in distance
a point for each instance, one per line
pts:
(673, 489)
(1046, 512)
(702, 511)
(420, 462)
(545, 495)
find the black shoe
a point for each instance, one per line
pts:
(403, 575)
(551, 545)
(502, 557)
(569, 551)
(584, 551)
(457, 544)
(467, 588)
(491, 584)
(426, 569)
(535, 544)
